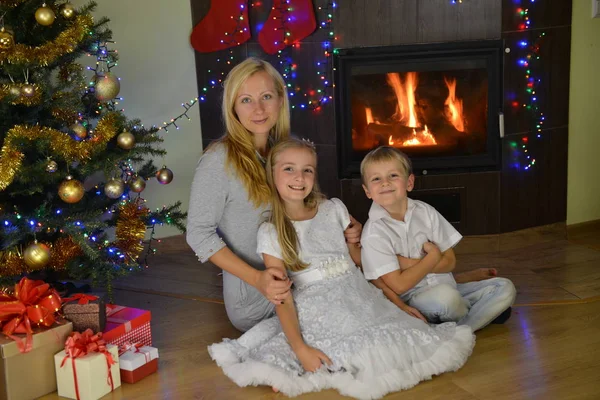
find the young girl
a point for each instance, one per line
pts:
(336, 330)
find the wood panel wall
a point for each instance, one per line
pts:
(491, 202)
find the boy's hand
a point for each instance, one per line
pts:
(311, 358)
(413, 312)
(432, 250)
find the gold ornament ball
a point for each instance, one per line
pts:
(126, 140)
(67, 11)
(36, 255)
(79, 130)
(107, 86)
(52, 166)
(28, 90)
(137, 184)
(7, 41)
(14, 90)
(71, 190)
(164, 175)
(44, 15)
(114, 188)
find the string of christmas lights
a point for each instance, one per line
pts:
(173, 122)
(310, 99)
(529, 61)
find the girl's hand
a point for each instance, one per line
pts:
(311, 358)
(353, 231)
(274, 284)
(413, 312)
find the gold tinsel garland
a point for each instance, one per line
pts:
(65, 42)
(11, 3)
(131, 228)
(65, 115)
(130, 232)
(61, 251)
(61, 145)
(23, 100)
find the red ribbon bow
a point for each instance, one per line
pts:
(32, 302)
(81, 344)
(81, 297)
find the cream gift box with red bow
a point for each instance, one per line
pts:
(88, 367)
(137, 362)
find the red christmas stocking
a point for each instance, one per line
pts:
(288, 22)
(222, 27)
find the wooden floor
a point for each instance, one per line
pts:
(549, 349)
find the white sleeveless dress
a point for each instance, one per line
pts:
(375, 347)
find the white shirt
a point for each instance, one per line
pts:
(383, 238)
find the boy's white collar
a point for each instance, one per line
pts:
(377, 212)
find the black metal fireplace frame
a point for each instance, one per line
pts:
(347, 59)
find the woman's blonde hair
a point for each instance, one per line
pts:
(241, 154)
(286, 234)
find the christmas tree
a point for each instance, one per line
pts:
(72, 166)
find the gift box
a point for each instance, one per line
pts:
(30, 375)
(88, 367)
(86, 311)
(127, 325)
(136, 363)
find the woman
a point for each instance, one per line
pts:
(230, 193)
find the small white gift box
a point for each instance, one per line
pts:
(137, 363)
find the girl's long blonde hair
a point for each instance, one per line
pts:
(286, 233)
(241, 154)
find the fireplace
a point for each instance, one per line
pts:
(439, 103)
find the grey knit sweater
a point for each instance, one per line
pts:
(219, 208)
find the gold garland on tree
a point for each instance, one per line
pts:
(61, 251)
(131, 228)
(35, 99)
(11, 3)
(61, 145)
(65, 42)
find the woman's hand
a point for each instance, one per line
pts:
(413, 312)
(274, 284)
(311, 358)
(353, 231)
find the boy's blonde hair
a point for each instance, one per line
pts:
(286, 233)
(386, 153)
(241, 155)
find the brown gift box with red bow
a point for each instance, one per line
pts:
(30, 339)
(85, 311)
(31, 375)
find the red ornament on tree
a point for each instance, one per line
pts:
(289, 21)
(225, 25)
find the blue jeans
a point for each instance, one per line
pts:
(473, 303)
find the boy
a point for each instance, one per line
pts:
(421, 276)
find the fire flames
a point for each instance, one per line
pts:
(406, 117)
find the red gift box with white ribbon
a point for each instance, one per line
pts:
(127, 324)
(137, 362)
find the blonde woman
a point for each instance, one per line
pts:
(338, 331)
(230, 193)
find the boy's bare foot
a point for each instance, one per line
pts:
(275, 389)
(476, 275)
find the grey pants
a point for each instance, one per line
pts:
(245, 305)
(473, 303)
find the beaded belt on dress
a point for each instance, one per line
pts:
(327, 269)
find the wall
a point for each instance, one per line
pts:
(583, 196)
(157, 72)
(492, 202)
